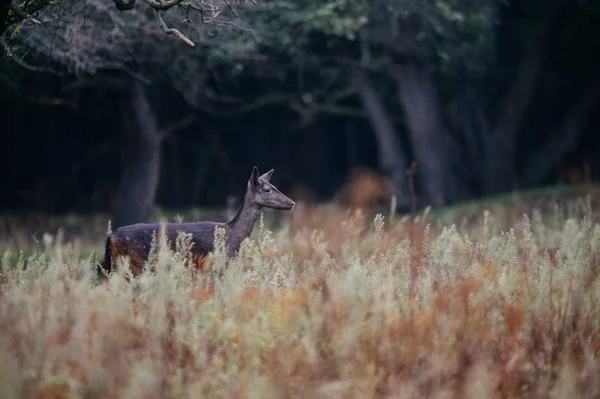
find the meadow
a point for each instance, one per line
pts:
(328, 305)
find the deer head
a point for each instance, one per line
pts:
(264, 194)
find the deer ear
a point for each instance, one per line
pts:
(254, 176)
(267, 176)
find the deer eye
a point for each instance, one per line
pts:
(267, 188)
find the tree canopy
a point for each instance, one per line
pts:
(455, 87)
(94, 36)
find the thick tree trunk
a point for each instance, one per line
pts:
(392, 159)
(141, 162)
(468, 119)
(501, 142)
(500, 172)
(434, 148)
(573, 125)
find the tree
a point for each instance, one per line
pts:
(466, 77)
(408, 41)
(465, 73)
(25, 12)
(131, 54)
(491, 56)
(13, 14)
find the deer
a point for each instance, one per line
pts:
(365, 189)
(134, 241)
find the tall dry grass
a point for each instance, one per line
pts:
(351, 307)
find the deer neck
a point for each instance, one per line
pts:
(243, 222)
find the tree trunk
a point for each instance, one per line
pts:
(433, 146)
(468, 119)
(501, 142)
(392, 159)
(500, 145)
(141, 161)
(573, 125)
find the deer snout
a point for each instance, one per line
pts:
(290, 204)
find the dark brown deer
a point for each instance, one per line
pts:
(365, 189)
(134, 241)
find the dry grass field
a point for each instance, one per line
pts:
(342, 306)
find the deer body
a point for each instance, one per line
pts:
(134, 241)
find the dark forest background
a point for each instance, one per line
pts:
(485, 97)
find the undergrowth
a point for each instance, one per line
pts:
(347, 307)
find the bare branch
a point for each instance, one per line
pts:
(212, 9)
(212, 19)
(172, 31)
(231, 9)
(231, 23)
(134, 42)
(23, 11)
(162, 5)
(26, 15)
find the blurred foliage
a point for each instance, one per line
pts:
(297, 54)
(93, 37)
(449, 34)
